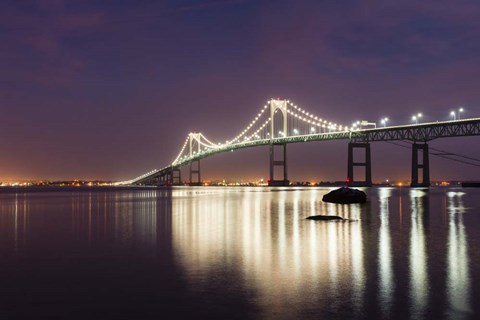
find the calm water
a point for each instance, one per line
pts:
(239, 253)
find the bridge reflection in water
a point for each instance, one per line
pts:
(405, 254)
(352, 268)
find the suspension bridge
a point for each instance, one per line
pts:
(281, 122)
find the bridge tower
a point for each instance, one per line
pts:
(425, 165)
(278, 105)
(195, 164)
(367, 164)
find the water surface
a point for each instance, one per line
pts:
(239, 253)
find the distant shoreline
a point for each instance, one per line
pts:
(16, 189)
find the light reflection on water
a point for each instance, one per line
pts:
(419, 282)
(385, 273)
(278, 252)
(458, 271)
(250, 251)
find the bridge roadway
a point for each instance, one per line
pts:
(416, 133)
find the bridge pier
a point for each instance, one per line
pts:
(425, 165)
(176, 176)
(160, 180)
(169, 178)
(173, 177)
(195, 171)
(279, 163)
(367, 164)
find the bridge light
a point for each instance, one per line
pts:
(417, 117)
(384, 122)
(312, 129)
(453, 115)
(295, 131)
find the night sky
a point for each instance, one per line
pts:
(110, 89)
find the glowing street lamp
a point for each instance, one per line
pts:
(384, 122)
(312, 130)
(416, 117)
(454, 115)
(295, 131)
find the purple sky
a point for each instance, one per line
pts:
(110, 89)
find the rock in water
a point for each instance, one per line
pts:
(345, 195)
(321, 217)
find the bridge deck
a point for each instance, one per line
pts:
(415, 132)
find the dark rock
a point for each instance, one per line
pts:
(326, 218)
(345, 195)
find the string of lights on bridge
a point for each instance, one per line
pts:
(301, 122)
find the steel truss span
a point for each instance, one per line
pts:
(298, 126)
(422, 132)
